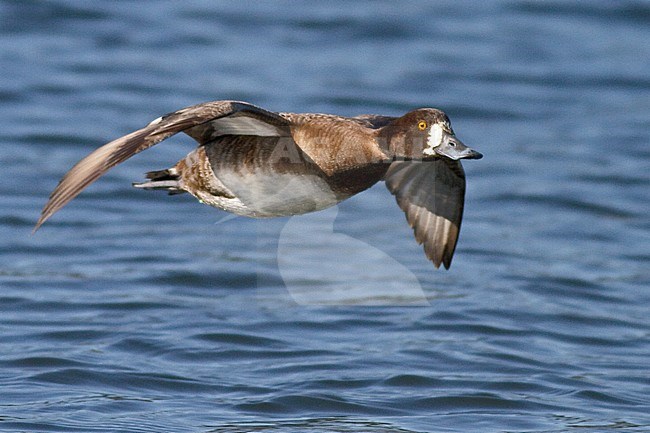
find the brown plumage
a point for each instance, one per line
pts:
(258, 163)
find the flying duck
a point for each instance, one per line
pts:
(258, 163)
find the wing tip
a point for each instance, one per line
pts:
(37, 226)
(440, 258)
(46, 213)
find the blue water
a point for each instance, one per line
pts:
(134, 311)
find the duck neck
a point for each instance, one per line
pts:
(398, 145)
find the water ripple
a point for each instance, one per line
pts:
(135, 312)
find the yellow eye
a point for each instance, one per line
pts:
(422, 125)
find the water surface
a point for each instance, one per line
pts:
(134, 311)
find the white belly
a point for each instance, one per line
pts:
(273, 194)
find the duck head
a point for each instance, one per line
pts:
(425, 133)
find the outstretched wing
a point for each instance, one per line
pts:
(203, 122)
(432, 194)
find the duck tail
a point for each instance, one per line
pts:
(168, 180)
